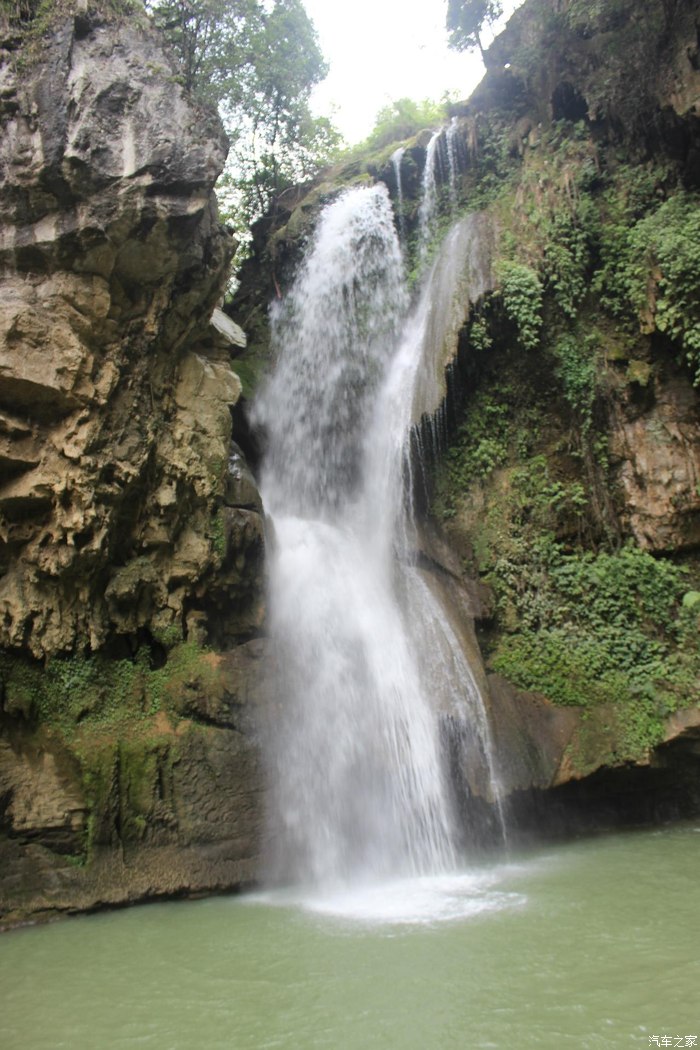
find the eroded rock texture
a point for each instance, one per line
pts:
(656, 442)
(161, 807)
(128, 519)
(114, 390)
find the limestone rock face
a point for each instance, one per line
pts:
(43, 799)
(551, 57)
(115, 393)
(157, 804)
(530, 735)
(657, 450)
(176, 812)
(127, 516)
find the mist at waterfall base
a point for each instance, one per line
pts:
(362, 814)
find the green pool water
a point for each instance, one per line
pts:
(590, 944)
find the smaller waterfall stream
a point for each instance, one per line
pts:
(396, 161)
(451, 146)
(368, 660)
(440, 166)
(427, 211)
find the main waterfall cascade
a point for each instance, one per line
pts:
(368, 660)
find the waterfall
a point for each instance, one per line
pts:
(451, 145)
(440, 166)
(368, 661)
(428, 210)
(396, 161)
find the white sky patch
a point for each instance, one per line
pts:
(383, 50)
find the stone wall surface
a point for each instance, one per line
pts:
(114, 390)
(128, 521)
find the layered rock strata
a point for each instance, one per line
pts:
(129, 523)
(115, 392)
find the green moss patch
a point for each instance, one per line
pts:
(77, 691)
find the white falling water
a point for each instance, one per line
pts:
(451, 146)
(396, 161)
(428, 209)
(441, 164)
(359, 788)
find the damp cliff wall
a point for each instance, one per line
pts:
(131, 534)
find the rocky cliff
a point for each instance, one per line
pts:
(571, 483)
(130, 528)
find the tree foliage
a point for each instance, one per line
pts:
(403, 118)
(213, 40)
(258, 62)
(466, 20)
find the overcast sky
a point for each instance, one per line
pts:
(381, 50)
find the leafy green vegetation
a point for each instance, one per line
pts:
(502, 422)
(591, 623)
(578, 368)
(93, 690)
(567, 253)
(493, 168)
(550, 227)
(466, 20)
(587, 628)
(604, 629)
(615, 619)
(521, 290)
(651, 268)
(401, 119)
(258, 63)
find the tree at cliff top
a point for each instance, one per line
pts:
(405, 117)
(258, 63)
(466, 20)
